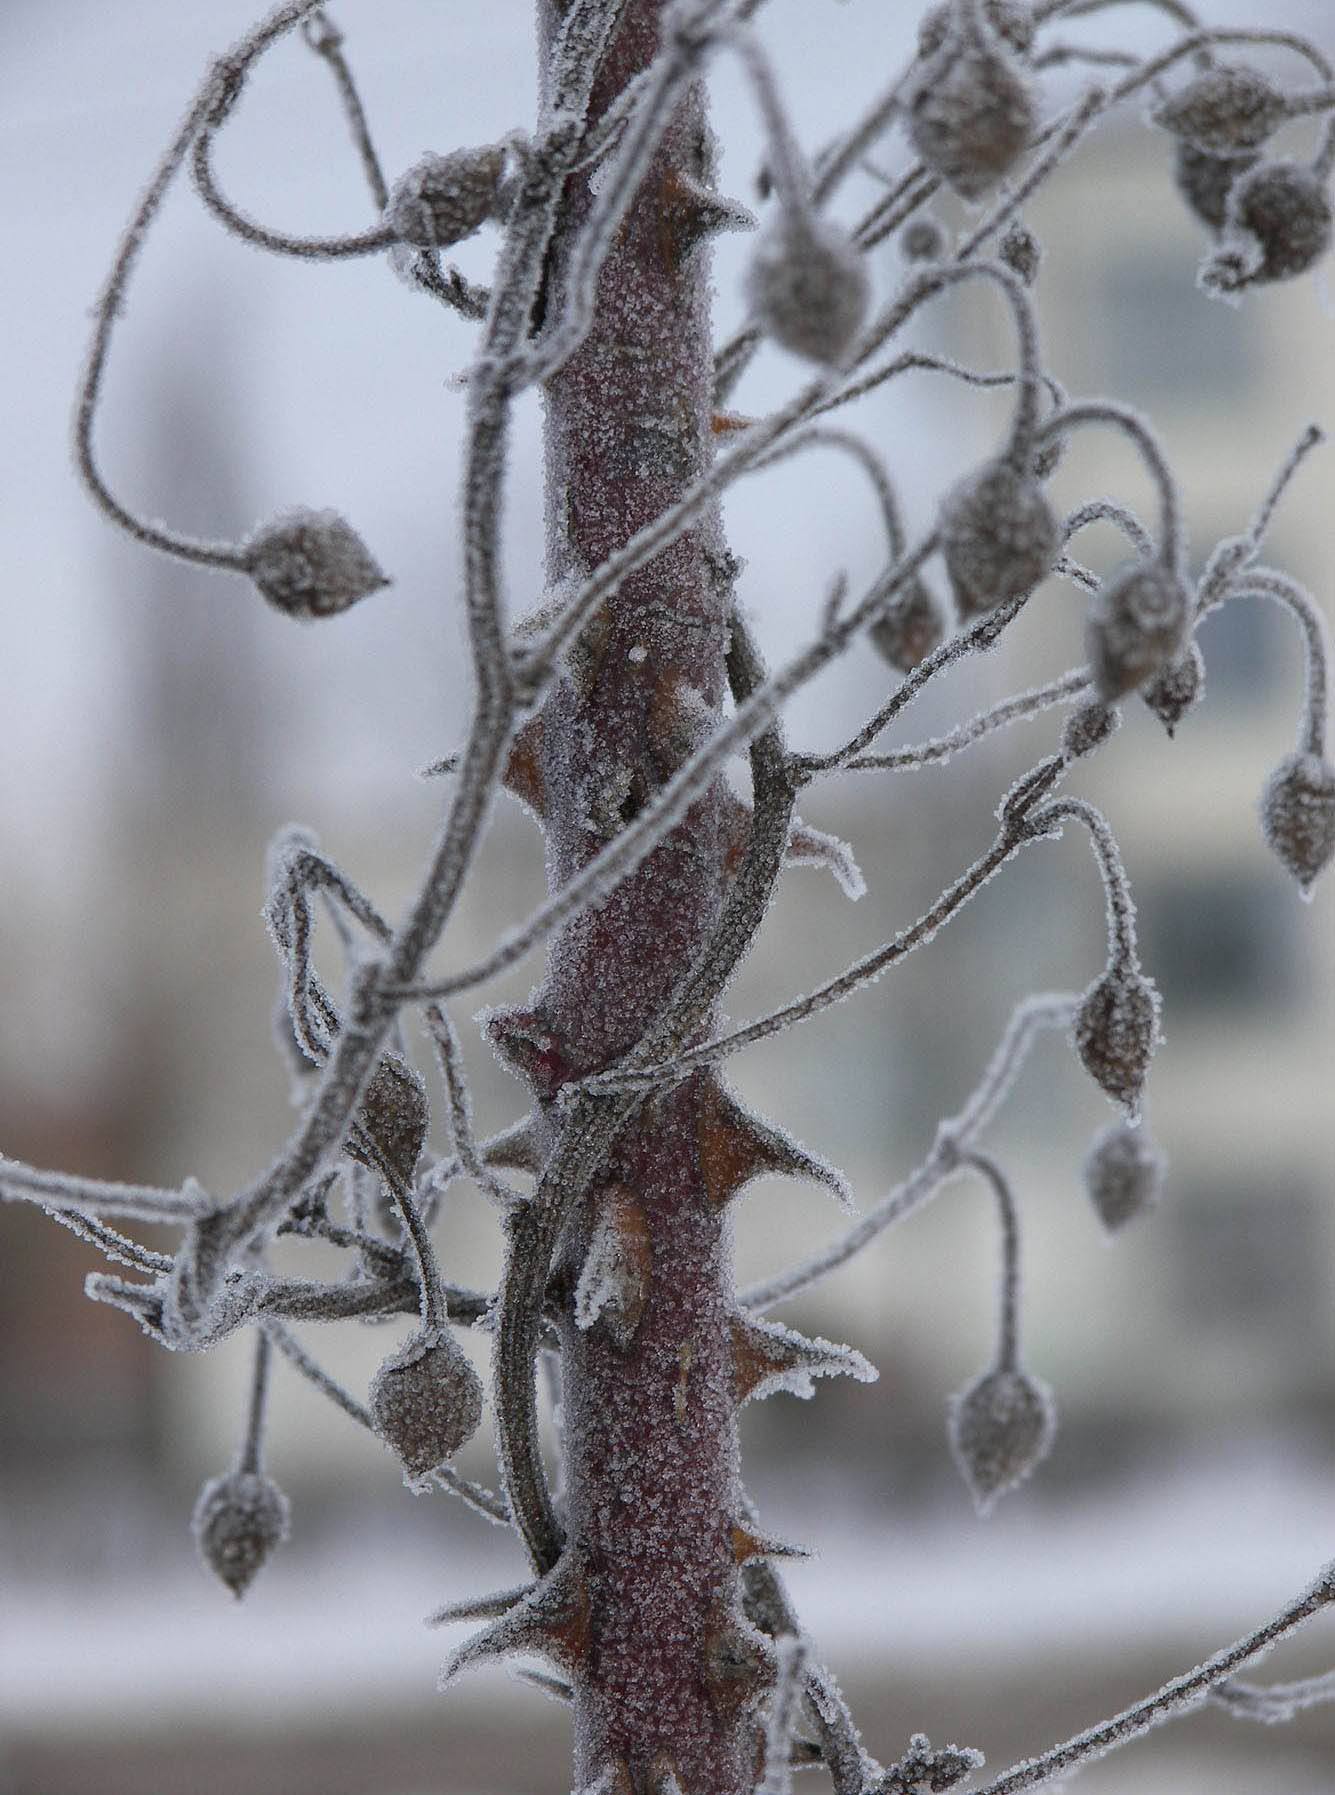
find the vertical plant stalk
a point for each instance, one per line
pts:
(651, 1472)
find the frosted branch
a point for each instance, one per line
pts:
(136, 1202)
(1121, 908)
(1132, 425)
(253, 1443)
(116, 1247)
(449, 1058)
(940, 748)
(1264, 582)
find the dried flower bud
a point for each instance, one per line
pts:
(1225, 111)
(1123, 1174)
(1284, 208)
(238, 1520)
(1205, 181)
(1116, 1032)
(1021, 251)
(972, 114)
(999, 536)
(1179, 686)
(808, 288)
(912, 627)
(443, 199)
(392, 1120)
(1136, 626)
(922, 240)
(1010, 19)
(311, 563)
(1298, 814)
(1088, 727)
(1001, 1426)
(426, 1400)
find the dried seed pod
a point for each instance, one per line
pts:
(1136, 627)
(1021, 250)
(238, 1520)
(1225, 111)
(1123, 1174)
(1089, 727)
(1010, 19)
(1179, 686)
(972, 114)
(443, 199)
(1001, 1426)
(999, 537)
(311, 563)
(922, 240)
(808, 288)
(393, 1118)
(1205, 181)
(426, 1400)
(1116, 1032)
(1282, 206)
(1298, 814)
(907, 633)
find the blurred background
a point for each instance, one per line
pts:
(159, 726)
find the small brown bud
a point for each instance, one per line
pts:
(1298, 815)
(922, 240)
(1021, 251)
(311, 563)
(1284, 207)
(393, 1118)
(906, 633)
(808, 287)
(1177, 688)
(971, 114)
(1116, 1032)
(426, 1400)
(1205, 181)
(1010, 19)
(1225, 111)
(1001, 1427)
(1123, 1174)
(999, 537)
(238, 1520)
(1088, 728)
(1136, 627)
(443, 199)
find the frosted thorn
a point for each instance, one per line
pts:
(737, 1664)
(392, 1121)
(523, 777)
(690, 214)
(768, 1357)
(734, 1147)
(526, 1041)
(748, 1545)
(551, 1621)
(617, 1275)
(485, 1607)
(1001, 1426)
(556, 1689)
(311, 564)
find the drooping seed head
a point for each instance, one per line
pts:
(971, 114)
(238, 1520)
(922, 240)
(1137, 626)
(1298, 815)
(1284, 208)
(311, 563)
(1001, 1426)
(425, 1401)
(912, 627)
(1226, 110)
(393, 1118)
(1123, 1174)
(1205, 181)
(1088, 727)
(1176, 688)
(999, 537)
(1116, 1032)
(808, 288)
(443, 199)
(1021, 251)
(1010, 19)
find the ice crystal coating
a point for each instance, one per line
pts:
(311, 563)
(1298, 815)
(1136, 627)
(999, 536)
(972, 114)
(615, 1282)
(922, 240)
(1089, 727)
(1116, 1032)
(238, 1520)
(808, 288)
(1179, 686)
(1205, 181)
(443, 199)
(1225, 111)
(1021, 251)
(393, 1118)
(910, 629)
(1123, 1174)
(1001, 1426)
(1010, 19)
(426, 1400)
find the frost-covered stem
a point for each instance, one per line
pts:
(326, 40)
(136, 1202)
(1008, 1316)
(311, 249)
(1116, 886)
(449, 1058)
(1104, 511)
(1264, 582)
(1172, 547)
(253, 1443)
(116, 1246)
(1011, 710)
(1176, 1697)
(790, 1675)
